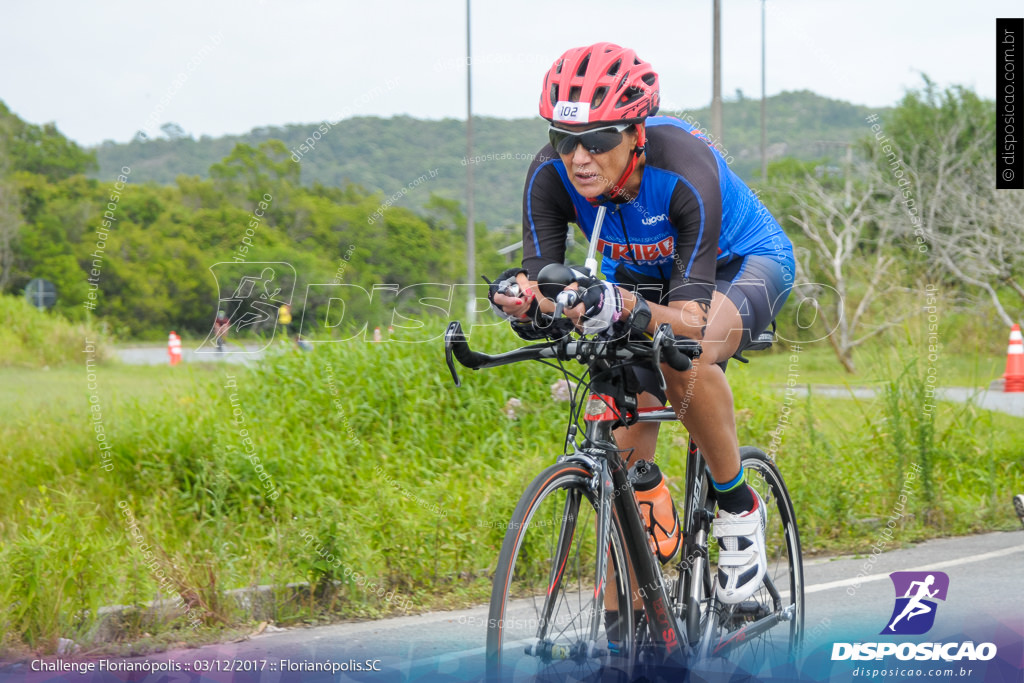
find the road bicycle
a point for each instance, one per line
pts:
(546, 619)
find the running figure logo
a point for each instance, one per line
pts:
(916, 593)
(257, 289)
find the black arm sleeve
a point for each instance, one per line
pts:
(547, 212)
(696, 212)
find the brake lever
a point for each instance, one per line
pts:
(567, 298)
(454, 329)
(656, 344)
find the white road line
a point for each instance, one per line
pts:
(923, 568)
(816, 588)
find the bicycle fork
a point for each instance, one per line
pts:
(600, 483)
(615, 498)
(609, 479)
(610, 482)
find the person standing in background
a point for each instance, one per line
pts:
(284, 318)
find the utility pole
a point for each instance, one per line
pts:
(716, 75)
(848, 172)
(470, 233)
(764, 135)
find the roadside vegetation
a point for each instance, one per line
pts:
(393, 488)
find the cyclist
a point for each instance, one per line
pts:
(684, 242)
(220, 328)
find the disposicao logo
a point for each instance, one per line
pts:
(916, 593)
(914, 614)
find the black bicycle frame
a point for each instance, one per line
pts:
(697, 513)
(613, 478)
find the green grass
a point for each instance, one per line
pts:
(34, 339)
(818, 365)
(382, 467)
(60, 391)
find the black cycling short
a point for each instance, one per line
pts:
(757, 285)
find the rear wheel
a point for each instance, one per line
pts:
(546, 617)
(766, 630)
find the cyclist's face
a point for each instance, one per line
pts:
(595, 174)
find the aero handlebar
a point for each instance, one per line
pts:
(664, 347)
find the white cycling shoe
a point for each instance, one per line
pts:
(741, 555)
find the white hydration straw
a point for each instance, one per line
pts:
(591, 262)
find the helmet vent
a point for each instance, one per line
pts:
(582, 71)
(554, 93)
(649, 79)
(614, 68)
(574, 93)
(599, 96)
(632, 94)
(558, 67)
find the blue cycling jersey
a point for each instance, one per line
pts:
(692, 214)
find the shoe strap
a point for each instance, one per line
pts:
(735, 558)
(742, 526)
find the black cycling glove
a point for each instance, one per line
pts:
(602, 304)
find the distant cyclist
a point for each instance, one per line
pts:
(220, 328)
(686, 242)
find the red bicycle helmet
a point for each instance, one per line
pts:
(598, 83)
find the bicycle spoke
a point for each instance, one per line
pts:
(764, 631)
(547, 590)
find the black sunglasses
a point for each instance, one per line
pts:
(596, 141)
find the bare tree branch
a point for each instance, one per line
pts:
(845, 239)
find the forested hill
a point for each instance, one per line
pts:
(391, 154)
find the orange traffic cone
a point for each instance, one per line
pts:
(1014, 377)
(174, 348)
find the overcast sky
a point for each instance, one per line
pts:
(100, 70)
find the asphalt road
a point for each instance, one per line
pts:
(191, 353)
(986, 590)
(1012, 403)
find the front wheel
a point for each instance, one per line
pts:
(766, 631)
(546, 618)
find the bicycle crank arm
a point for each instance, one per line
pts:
(750, 630)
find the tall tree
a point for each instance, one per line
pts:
(10, 225)
(42, 149)
(948, 205)
(10, 213)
